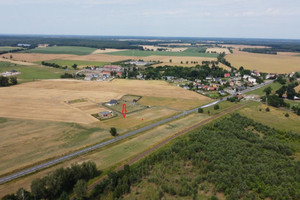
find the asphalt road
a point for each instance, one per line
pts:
(91, 148)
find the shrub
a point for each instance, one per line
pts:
(287, 114)
(216, 107)
(268, 109)
(200, 110)
(113, 131)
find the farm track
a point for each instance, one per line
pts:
(151, 150)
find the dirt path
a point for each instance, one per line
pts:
(149, 151)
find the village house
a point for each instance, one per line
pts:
(227, 75)
(105, 114)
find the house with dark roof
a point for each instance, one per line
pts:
(112, 102)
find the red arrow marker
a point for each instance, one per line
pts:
(124, 111)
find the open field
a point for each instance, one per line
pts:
(45, 100)
(75, 50)
(265, 63)
(101, 58)
(172, 103)
(24, 142)
(130, 105)
(161, 53)
(35, 57)
(6, 48)
(80, 63)
(218, 50)
(275, 118)
(297, 89)
(107, 50)
(16, 62)
(275, 86)
(31, 73)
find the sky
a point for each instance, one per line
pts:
(178, 18)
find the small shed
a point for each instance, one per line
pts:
(112, 102)
(105, 114)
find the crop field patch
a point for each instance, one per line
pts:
(265, 63)
(7, 48)
(45, 100)
(162, 53)
(35, 57)
(74, 50)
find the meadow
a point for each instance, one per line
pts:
(265, 63)
(32, 73)
(162, 53)
(275, 86)
(275, 118)
(75, 50)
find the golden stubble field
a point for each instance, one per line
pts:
(36, 124)
(45, 100)
(282, 63)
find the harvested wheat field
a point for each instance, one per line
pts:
(217, 50)
(297, 89)
(265, 63)
(35, 57)
(100, 58)
(107, 50)
(45, 100)
(17, 62)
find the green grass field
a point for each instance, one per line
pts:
(195, 50)
(275, 118)
(275, 86)
(80, 63)
(31, 73)
(6, 48)
(161, 53)
(63, 50)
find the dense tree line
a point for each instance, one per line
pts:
(54, 65)
(67, 75)
(11, 51)
(8, 81)
(260, 50)
(221, 59)
(59, 183)
(231, 154)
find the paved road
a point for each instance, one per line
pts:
(97, 146)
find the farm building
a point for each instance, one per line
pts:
(112, 102)
(105, 114)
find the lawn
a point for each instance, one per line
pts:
(80, 63)
(275, 118)
(31, 73)
(275, 86)
(195, 50)
(75, 50)
(161, 53)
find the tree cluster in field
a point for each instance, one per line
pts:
(59, 183)
(276, 99)
(260, 50)
(5, 81)
(54, 65)
(12, 51)
(236, 156)
(67, 75)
